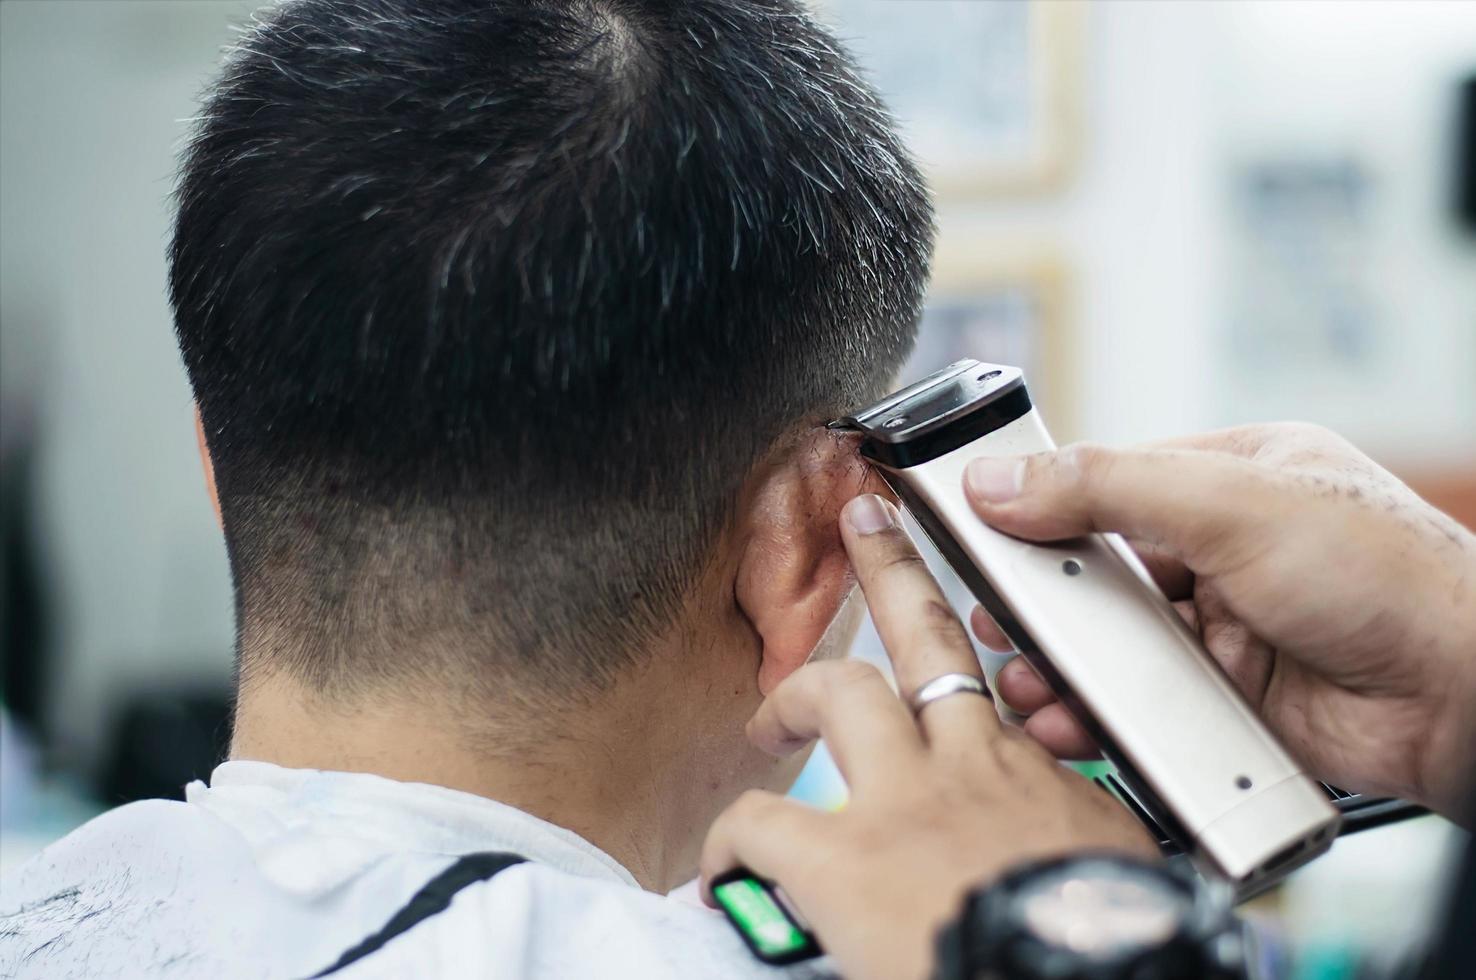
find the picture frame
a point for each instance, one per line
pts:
(989, 96)
(1004, 303)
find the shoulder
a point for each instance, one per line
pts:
(80, 882)
(161, 886)
(534, 922)
(105, 840)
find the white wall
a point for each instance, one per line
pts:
(1374, 80)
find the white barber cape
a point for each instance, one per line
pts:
(272, 872)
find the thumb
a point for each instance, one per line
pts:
(1207, 509)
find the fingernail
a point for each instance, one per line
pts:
(868, 514)
(995, 481)
(998, 693)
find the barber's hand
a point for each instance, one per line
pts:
(1341, 604)
(939, 804)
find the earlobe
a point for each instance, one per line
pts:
(209, 466)
(794, 575)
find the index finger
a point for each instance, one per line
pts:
(1265, 441)
(922, 634)
(1208, 510)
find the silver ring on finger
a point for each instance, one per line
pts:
(946, 685)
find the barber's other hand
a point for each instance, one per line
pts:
(1341, 604)
(939, 804)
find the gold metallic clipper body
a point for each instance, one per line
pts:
(1090, 620)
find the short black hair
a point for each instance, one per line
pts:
(490, 307)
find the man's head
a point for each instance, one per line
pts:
(500, 315)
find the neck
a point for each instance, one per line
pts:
(638, 773)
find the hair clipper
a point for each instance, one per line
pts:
(1089, 619)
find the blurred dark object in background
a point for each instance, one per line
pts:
(1466, 155)
(162, 740)
(23, 611)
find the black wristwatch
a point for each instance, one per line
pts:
(1094, 917)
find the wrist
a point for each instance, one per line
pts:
(1101, 916)
(1445, 765)
(1461, 765)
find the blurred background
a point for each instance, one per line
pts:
(1175, 216)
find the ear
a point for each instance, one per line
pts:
(209, 465)
(793, 574)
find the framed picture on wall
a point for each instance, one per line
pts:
(1006, 305)
(988, 95)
